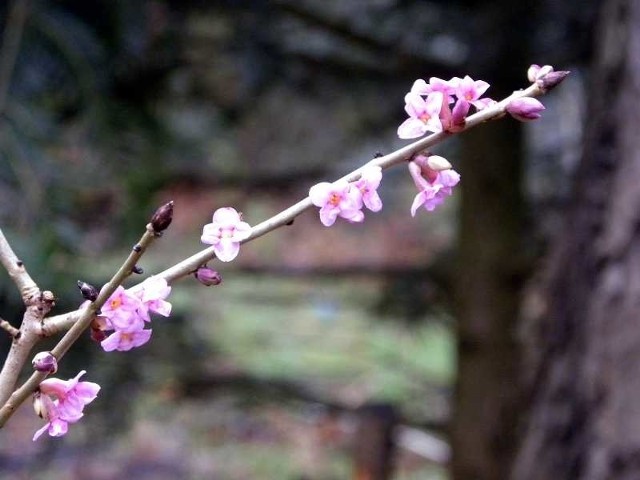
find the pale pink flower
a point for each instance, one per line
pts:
(535, 72)
(434, 186)
(424, 115)
(61, 402)
(338, 199)
(125, 341)
(368, 184)
(225, 233)
(152, 293)
(525, 109)
(435, 85)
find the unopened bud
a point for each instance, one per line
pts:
(438, 163)
(525, 109)
(162, 218)
(39, 405)
(552, 79)
(97, 335)
(88, 291)
(536, 72)
(45, 362)
(137, 270)
(208, 276)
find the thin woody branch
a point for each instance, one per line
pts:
(81, 319)
(10, 329)
(16, 270)
(84, 317)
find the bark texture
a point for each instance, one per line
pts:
(583, 345)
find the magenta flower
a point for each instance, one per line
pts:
(225, 233)
(434, 186)
(424, 115)
(61, 402)
(338, 199)
(525, 109)
(125, 341)
(368, 184)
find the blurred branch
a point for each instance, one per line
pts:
(10, 46)
(199, 384)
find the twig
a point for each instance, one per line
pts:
(10, 329)
(16, 269)
(84, 319)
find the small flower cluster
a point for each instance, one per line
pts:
(441, 105)
(126, 314)
(61, 402)
(346, 199)
(435, 180)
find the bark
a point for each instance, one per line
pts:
(584, 345)
(483, 425)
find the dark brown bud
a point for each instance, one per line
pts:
(97, 335)
(88, 291)
(551, 79)
(137, 270)
(162, 218)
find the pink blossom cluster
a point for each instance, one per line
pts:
(441, 105)
(346, 199)
(225, 233)
(435, 180)
(61, 402)
(126, 314)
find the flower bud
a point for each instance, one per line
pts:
(97, 335)
(208, 276)
(39, 405)
(88, 291)
(525, 109)
(162, 218)
(45, 362)
(438, 163)
(535, 72)
(552, 79)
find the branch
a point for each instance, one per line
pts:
(83, 316)
(16, 269)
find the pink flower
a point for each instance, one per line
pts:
(121, 308)
(423, 115)
(61, 402)
(152, 293)
(338, 199)
(368, 185)
(125, 341)
(469, 89)
(225, 233)
(434, 186)
(525, 109)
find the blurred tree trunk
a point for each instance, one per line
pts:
(585, 342)
(492, 265)
(483, 425)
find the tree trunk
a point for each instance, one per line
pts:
(585, 383)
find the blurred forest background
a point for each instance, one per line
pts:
(496, 337)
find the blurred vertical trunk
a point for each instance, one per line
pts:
(585, 344)
(483, 427)
(492, 264)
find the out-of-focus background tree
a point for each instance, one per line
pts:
(400, 348)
